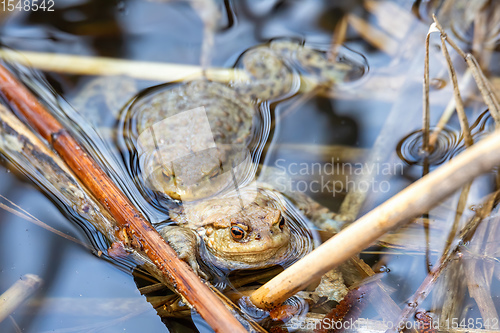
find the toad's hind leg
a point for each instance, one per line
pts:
(275, 179)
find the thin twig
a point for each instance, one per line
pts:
(27, 216)
(373, 35)
(338, 38)
(462, 202)
(412, 201)
(143, 70)
(426, 133)
(481, 81)
(448, 112)
(426, 104)
(462, 117)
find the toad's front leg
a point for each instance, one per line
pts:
(184, 242)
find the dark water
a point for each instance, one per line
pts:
(385, 99)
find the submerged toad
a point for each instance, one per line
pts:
(189, 135)
(197, 140)
(178, 159)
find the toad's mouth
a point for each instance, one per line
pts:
(257, 258)
(235, 249)
(260, 250)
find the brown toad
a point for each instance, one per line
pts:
(232, 236)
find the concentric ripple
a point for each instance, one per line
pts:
(410, 149)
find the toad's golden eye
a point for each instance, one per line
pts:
(214, 173)
(281, 223)
(166, 176)
(237, 232)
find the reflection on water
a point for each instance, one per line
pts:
(379, 108)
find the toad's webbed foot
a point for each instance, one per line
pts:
(184, 242)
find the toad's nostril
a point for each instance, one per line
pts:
(257, 237)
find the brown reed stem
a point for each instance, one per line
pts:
(133, 229)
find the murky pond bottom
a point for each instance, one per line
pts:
(321, 140)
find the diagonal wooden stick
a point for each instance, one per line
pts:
(133, 229)
(412, 201)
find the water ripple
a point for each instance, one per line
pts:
(410, 149)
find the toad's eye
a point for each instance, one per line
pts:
(237, 232)
(214, 173)
(281, 224)
(166, 176)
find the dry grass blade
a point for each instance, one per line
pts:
(426, 116)
(338, 38)
(448, 112)
(462, 202)
(133, 229)
(27, 216)
(375, 36)
(478, 282)
(412, 201)
(481, 81)
(19, 292)
(462, 117)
